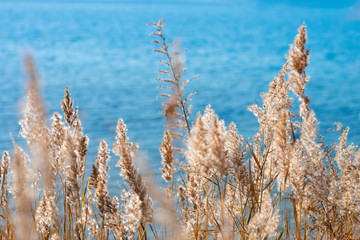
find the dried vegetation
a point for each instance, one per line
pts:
(284, 183)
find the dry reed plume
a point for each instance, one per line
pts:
(284, 183)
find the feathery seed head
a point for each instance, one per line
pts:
(70, 113)
(46, 214)
(167, 155)
(132, 212)
(126, 150)
(4, 168)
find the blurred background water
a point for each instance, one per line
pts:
(103, 52)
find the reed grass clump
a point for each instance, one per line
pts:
(284, 183)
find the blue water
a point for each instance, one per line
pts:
(103, 52)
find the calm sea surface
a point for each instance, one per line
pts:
(103, 52)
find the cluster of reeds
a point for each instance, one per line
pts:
(284, 183)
